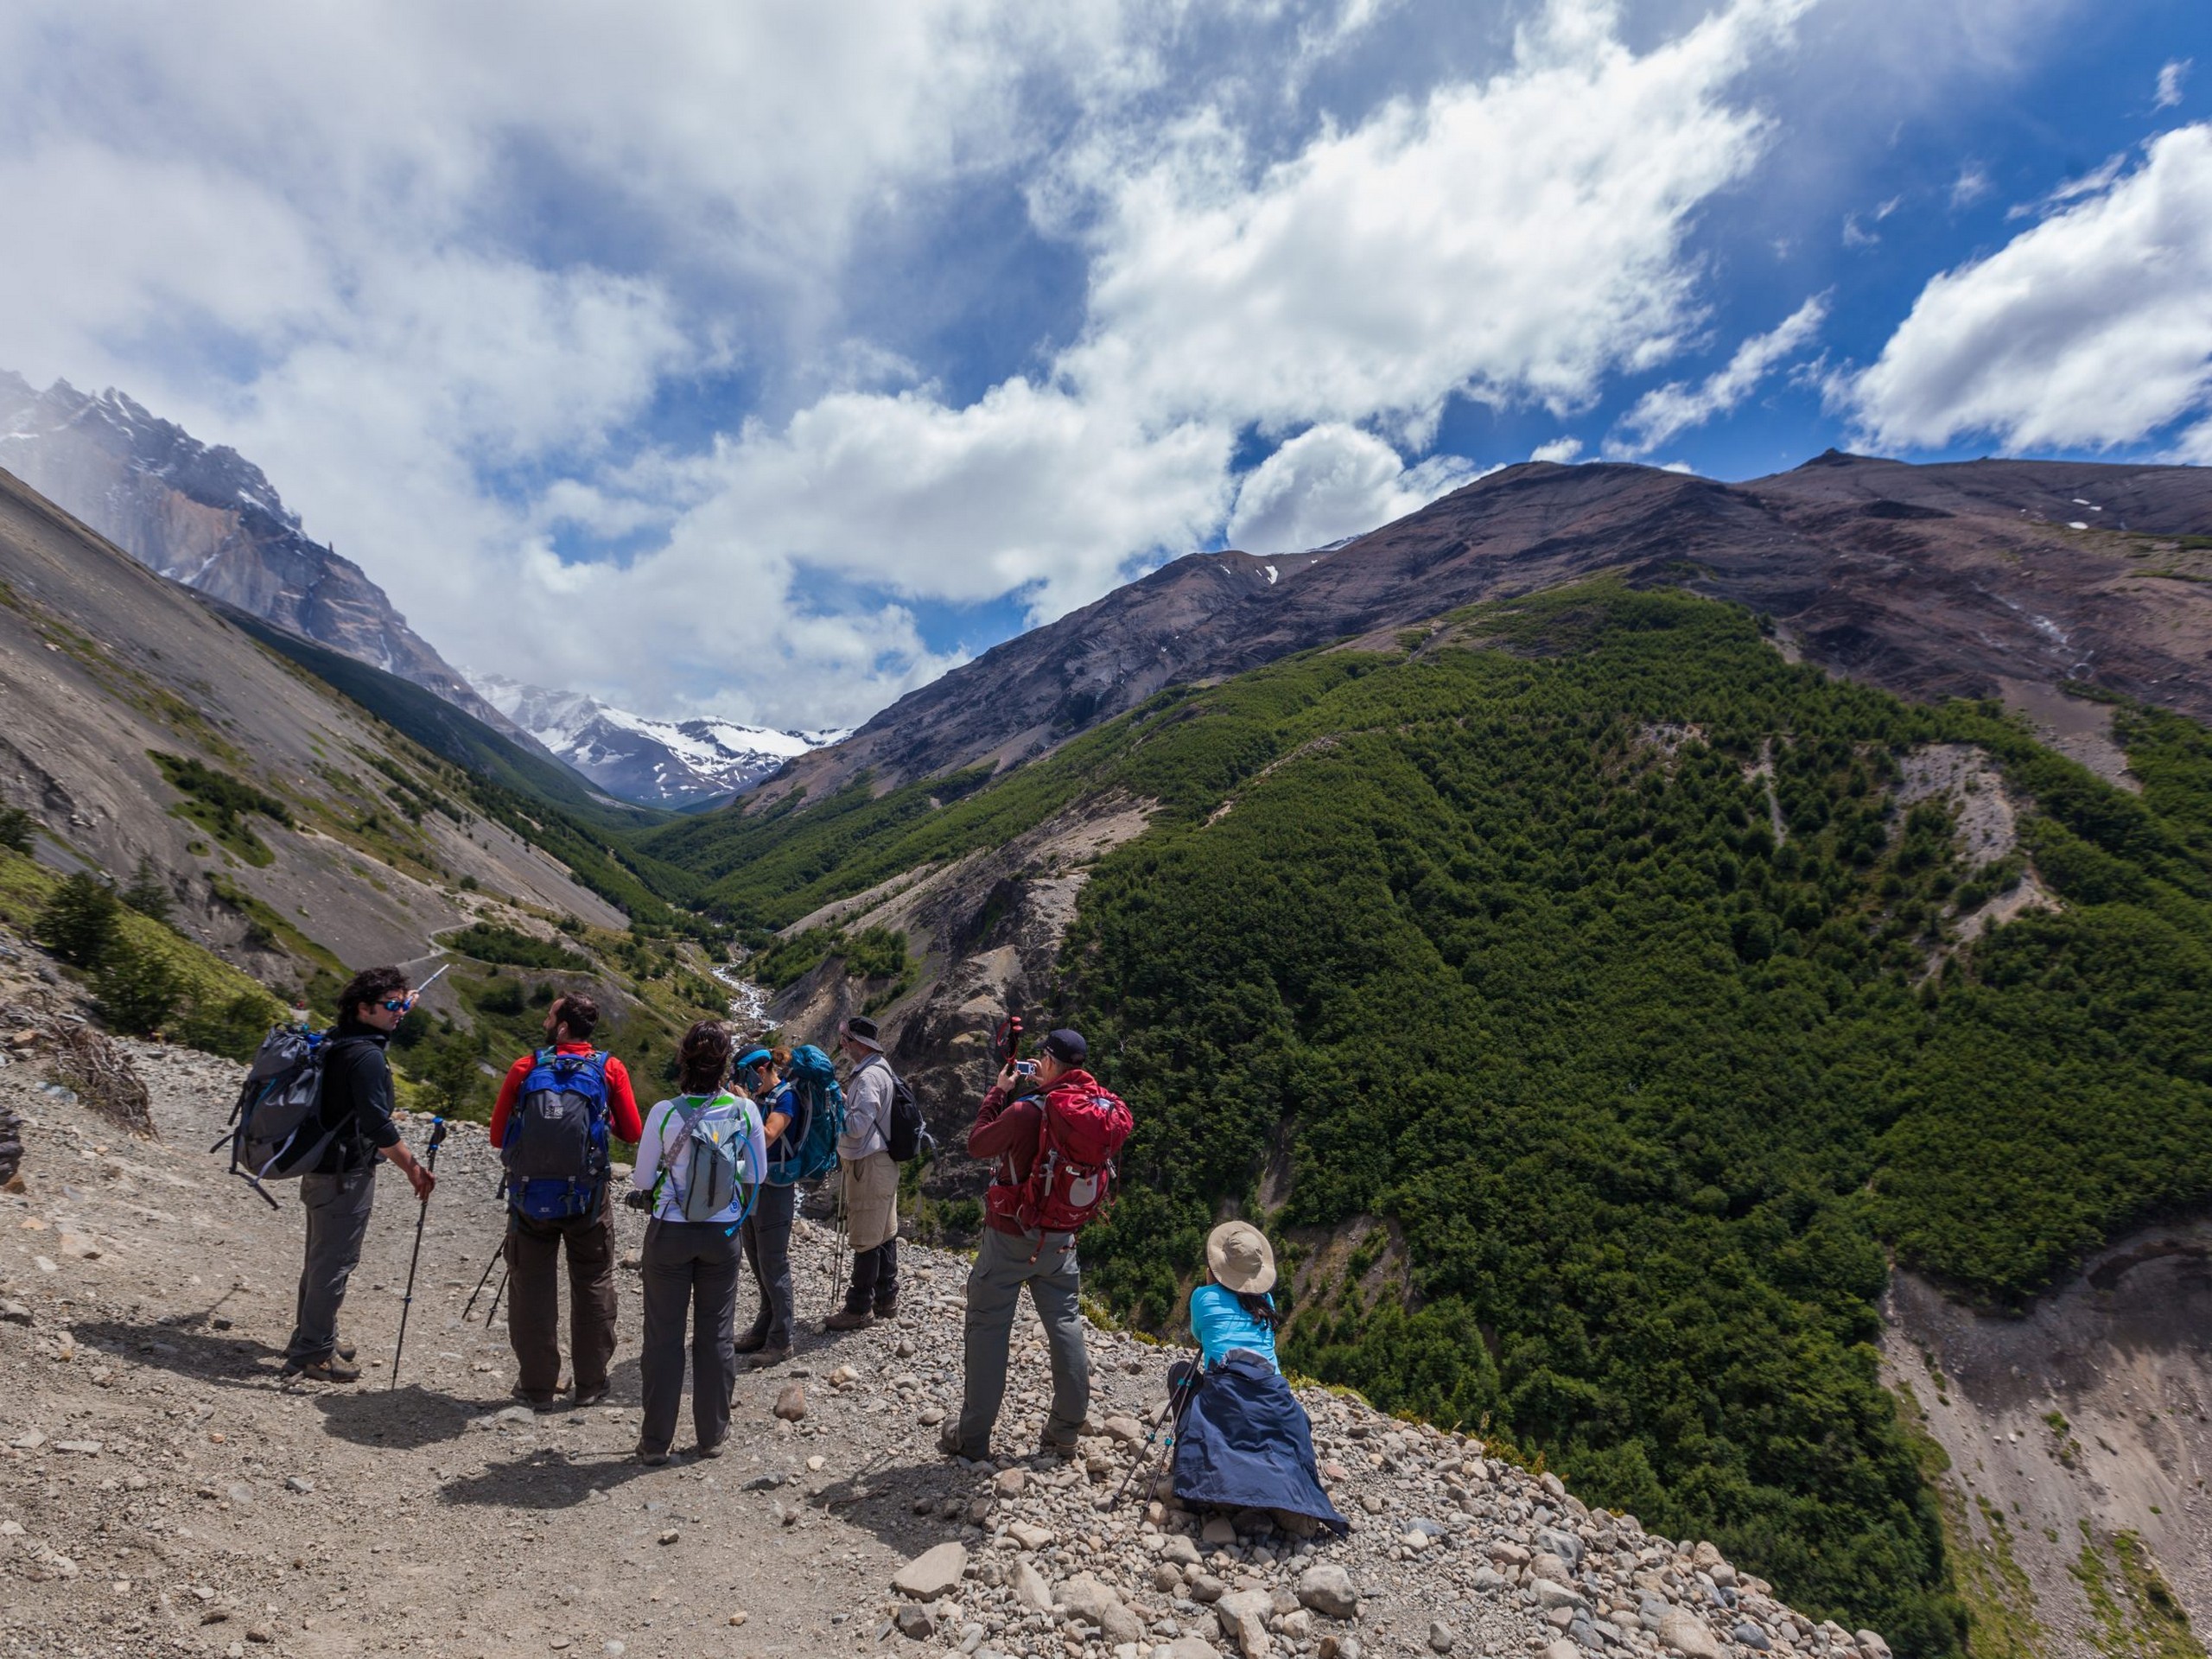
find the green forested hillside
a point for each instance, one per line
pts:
(1495, 962)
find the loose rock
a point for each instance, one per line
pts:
(932, 1574)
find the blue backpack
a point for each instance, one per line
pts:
(556, 1145)
(821, 1119)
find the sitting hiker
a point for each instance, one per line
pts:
(1231, 1309)
(767, 1234)
(551, 1124)
(699, 1164)
(1241, 1439)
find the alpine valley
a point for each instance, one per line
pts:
(208, 517)
(1706, 984)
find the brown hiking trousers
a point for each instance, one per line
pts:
(534, 1300)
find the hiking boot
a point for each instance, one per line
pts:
(888, 1309)
(948, 1442)
(535, 1402)
(770, 1356)
(331, 1369)
(753, 1341)
(850, 1319)
(714, 1450)
(591, 1396)
(1066, 1451)
(650, 1458)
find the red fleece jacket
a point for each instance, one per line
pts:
(621, 1105)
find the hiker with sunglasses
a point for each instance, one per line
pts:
(356, 1111)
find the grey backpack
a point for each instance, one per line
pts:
(712, 1156)
(277, 1132)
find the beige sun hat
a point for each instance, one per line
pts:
(1241, 1259)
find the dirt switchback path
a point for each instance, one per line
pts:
(162, 1492)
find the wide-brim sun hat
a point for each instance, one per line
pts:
(1241, 1259)
(861, 1033)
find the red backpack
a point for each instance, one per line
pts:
(1072, 1181)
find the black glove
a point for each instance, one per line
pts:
(637, 1198)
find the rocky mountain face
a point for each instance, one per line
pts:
(1985, 578)
(106, 666)
(208, 517)
(654, 762)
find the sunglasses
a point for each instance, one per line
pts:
(400, 1006)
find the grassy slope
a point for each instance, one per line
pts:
(1652, 1093)
(538, 799)
(211, 985)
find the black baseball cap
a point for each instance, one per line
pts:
(1067, 1047)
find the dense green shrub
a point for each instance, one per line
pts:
(82, 922)
(17, 826)
(488, 942)
(220, 803)
(229, 1026)
(149, 893)
(138, 990)
(1500, 948)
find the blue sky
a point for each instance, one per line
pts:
(801, 351)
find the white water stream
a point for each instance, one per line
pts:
(748, 1002)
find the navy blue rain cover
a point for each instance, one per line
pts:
(1245, 1442)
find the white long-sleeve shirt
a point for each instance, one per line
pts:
(867, 1110)
(663, 1144)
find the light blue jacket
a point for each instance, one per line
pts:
(1219, 1322)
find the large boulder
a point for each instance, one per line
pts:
(932, 1574)
(1085, 1598)
(1243, 1615)
(1682, 1631)
(1327, 1589)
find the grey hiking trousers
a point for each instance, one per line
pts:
(690, 1266)
(338, 1220)
(1003, 1266)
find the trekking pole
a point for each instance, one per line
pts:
(836, 1249)
(497, 1256)
(1146, 1455)
(406, 1301)
(492, 1313)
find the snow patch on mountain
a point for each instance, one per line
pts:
(655, 762)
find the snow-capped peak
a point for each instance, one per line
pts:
(657, 762)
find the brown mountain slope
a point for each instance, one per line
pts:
(102, 662)
(1966, 578)
(208, 517)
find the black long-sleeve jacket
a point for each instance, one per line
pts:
(356, 1097)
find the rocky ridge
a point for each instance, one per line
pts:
(1984, 578)
(162, 1492)
(208, 517)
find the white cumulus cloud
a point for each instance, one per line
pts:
(2090, 330)
(1663, 414)
(1512, 238)
(1332, 481)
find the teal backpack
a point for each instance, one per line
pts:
(820, 1101)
